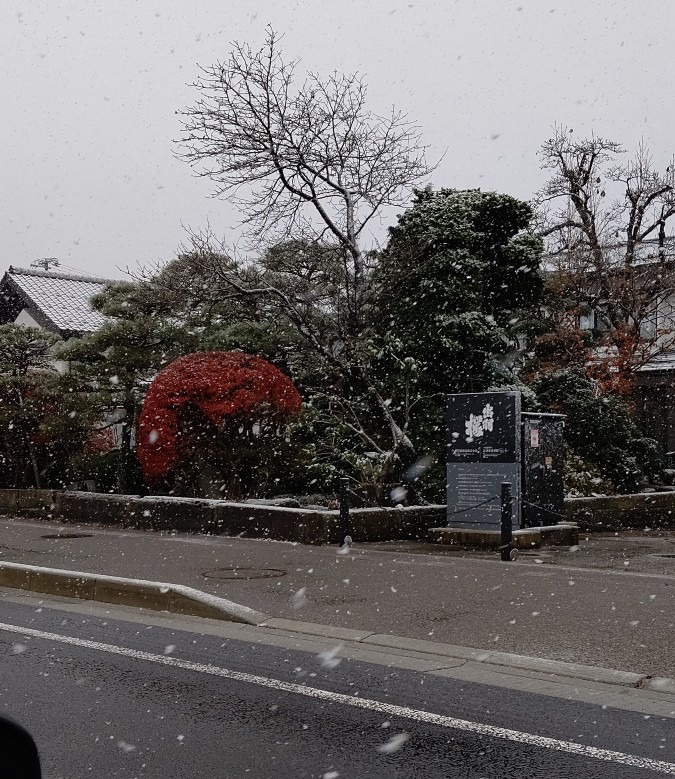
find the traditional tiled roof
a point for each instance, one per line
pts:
(58, 301)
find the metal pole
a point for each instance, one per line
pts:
(506, 523)
(344, 511)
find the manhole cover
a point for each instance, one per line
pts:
(664, 554)
(69, 535)
(244, 573)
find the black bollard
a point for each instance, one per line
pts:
(344, 511)
(506, 523)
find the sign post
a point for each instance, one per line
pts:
(483, 452)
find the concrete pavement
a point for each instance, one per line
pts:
(604, 617)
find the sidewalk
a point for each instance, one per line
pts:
(581, 606)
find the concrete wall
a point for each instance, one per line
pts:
(27, 500)
(192, 515)
(390, 524)
(220, 517)
(620, 512)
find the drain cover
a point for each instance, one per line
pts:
(68, 535)
(244, 573)
(668, 555)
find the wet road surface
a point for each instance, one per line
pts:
(109, 698)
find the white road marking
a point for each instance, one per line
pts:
(389, 709)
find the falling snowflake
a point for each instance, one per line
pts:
(299, 598)
(398, 494)
(394, 743)
(329, 658)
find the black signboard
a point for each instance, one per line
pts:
(482, 427)
(483, 450)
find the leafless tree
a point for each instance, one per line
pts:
(307, 159)
(610, 250)
(307, 162)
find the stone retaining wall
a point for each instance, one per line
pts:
(27, 500)
(621, 512)
(193, 515)
(616, 512)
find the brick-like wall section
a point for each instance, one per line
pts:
(193, 515)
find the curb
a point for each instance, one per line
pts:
(504, 661)
(157, 596)
(562, 534)
(180, 599)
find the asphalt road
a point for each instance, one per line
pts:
(110, 698)
(527, 608)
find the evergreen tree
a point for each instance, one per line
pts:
(42, 423)
(599, 429)
(116, 364)
(458, 284)
(290, 306)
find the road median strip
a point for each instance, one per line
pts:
(187, 601)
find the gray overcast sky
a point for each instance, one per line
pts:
(90, 89)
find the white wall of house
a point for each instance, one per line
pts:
(24, 319)
(666, 318)
(587, 320)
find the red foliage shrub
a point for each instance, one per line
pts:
(100, 442)
(221, 385)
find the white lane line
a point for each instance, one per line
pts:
(361, 703)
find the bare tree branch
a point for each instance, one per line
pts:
(297, 156)
(612, 256)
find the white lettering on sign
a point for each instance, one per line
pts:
(477, 424)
